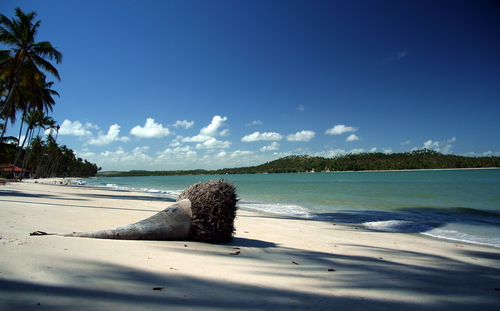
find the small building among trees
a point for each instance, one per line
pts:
(18, 172)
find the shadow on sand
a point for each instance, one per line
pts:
(445, 285)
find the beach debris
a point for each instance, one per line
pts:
(204, 212)
(39, 233)
(236, 253)
(172, 223)
(213, 205)
(158, 288)
(294, 262)
(331, 269)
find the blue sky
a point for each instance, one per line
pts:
(166, 85)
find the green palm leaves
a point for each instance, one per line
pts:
(23, 65)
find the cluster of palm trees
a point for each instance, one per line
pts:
(26, 93)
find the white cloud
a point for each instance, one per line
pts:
(120, 159)
(197, 138)
(234, 159)
(393, 58)
(185, 124)
(211, 129)
(330, 153)
(76, 128)
(179, 157)
(301, 108)
(84, 153)
(340, 129)
(213, 143)
(352, 137)
(262, 136)
(387, 150)
(431, 144)
(138, 150)
(273, 146)
(301, 136)
(443, 146)
(339, 152)
(400, 55)
(360, 150)
(406, 142)
(150, 130)
(483, 154)
(256, 122)
(175, 143)
(239, 153)
(221, 154)
(174, 150)
(111, 136)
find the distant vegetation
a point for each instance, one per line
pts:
(418, 159)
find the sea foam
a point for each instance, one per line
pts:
(280, 209)
(398, 226)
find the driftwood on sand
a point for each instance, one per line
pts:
(172, 223)
(204, 212)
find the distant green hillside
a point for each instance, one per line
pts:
(418, 159)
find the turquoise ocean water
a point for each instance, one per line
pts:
(459, 205)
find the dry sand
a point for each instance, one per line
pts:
(283, 263)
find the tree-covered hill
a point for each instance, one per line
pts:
(418, 159)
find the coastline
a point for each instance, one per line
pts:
(284, 262)
(103, 175)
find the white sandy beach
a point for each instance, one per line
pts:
(283, 263)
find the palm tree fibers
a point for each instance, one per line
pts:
(213, 208)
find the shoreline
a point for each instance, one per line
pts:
(449, 229)
(360, 171)
(284, 262)
(66, 182)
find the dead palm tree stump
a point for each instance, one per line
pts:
(203, 212)
(213, 210)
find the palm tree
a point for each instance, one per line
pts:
(39, 100)
(51, 143)
(32, 120)
(7, 147)
(21, 66)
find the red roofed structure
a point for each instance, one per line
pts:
(7, 169)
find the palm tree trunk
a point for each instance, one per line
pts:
(21, 148)
(9, 98)
(27, 153)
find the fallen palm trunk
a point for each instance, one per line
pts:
(204, 212)
(173, 223)
(213, 205)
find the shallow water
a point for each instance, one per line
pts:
(461, 205)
